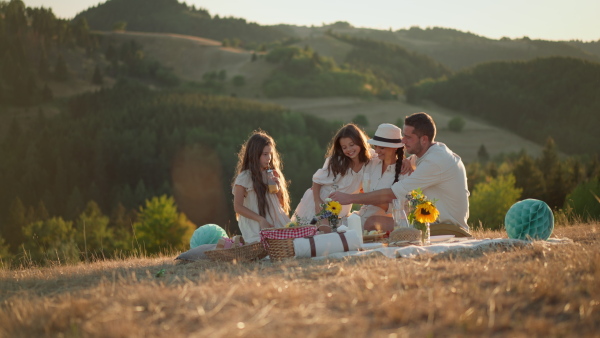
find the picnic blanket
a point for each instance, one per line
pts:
(454, 245)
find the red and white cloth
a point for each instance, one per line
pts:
(285, 233)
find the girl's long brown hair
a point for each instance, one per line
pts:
(338, 162)
(249, 159)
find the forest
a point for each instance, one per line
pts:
(304, 73)
(172, 16)
(390, 62)
(547, 96)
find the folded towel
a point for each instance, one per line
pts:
(326, 244)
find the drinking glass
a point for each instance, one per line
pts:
(366, 183)
(399, 215)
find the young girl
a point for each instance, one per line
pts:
(383, 171)
(255, 206)
(343, 171)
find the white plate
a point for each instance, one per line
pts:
(440, 238)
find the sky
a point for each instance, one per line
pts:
(536, 19)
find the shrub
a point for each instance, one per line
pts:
(361, 120)
(491, 200)
(583, 200)
(51, 240)
(457, 124)
(160, 226)
(238, 80)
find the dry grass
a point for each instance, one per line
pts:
(537, 290)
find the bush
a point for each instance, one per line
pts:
(238, 80)
(457, 124)
(51, 240)
(160, 226)
(491, 200)
(361, 120)
(583, 200)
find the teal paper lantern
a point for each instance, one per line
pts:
(207, 234)
(529, 219)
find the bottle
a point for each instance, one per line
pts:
(354, 223)
(273, 187)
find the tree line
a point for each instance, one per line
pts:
(171, 16)
(119, 147)
(390, 62)
(302, 72)
(554, 96)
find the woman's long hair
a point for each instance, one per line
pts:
(249, 159)
(400, 157)
(338, 162)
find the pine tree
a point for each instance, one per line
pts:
(47, 94)
(74, 204)
(44, 67)
(97, 77)
(13, 226)
(529, 178)
(61, 72)
(482, 154)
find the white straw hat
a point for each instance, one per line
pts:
(387, 135)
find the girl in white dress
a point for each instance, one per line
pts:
(256, 208)
(347, 156)
(384, 170)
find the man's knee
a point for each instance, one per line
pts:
(379, 223)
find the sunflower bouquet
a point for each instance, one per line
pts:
(422, 210)
(330, 210)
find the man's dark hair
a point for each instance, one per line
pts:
(423, 124)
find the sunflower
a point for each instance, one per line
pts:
(426, 213)
(334, 207)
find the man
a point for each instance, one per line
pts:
(439, 173)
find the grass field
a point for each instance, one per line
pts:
(465, 144)
(534, 291)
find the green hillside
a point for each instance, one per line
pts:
(172, 16)
(459, 50)
(557, 97)
(129, 143)
(390, 62)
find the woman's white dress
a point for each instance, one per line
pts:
(275, 215)
(378, 181)
(350, 183)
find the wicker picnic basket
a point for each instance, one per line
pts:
(279, 242)
(244, 253)
(404, 236)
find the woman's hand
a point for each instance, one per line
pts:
(318, 207)
(407, 167)
(264, 224)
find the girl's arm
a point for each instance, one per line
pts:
(238, 205)
(316, 189)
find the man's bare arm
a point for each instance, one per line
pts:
(375, 197)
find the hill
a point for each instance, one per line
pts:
(171, 16)
(456, 49)
(557, 97)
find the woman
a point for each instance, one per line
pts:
(382, 172)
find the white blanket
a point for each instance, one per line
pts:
(456, 245)
(326, 244)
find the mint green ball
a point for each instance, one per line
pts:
(207, 234)
(529, 219)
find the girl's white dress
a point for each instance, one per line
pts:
(275, 215)
(350, 183)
